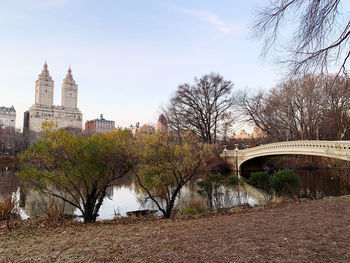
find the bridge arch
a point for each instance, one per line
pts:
(332, 149)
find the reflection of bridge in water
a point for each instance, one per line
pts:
(331, 149)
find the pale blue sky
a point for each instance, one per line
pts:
(128, 57)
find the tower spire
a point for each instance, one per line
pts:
(70, 71)
(69, 77)
(45, 75)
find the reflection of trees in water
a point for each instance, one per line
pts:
(125, 181)
(34, 203)
(316, 183)
(319, 176)
(38, 205)
(187, 195)
(9, 183)
(322, 182)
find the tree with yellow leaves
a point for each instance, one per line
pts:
(166, 164)
(78, 169)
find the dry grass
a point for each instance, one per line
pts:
(311, 231)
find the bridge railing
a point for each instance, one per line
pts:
(336, 145)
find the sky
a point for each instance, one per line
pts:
(127, 57)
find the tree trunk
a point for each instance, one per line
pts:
(170, 205)
(168, 210)
(88, 214)
(8, 221)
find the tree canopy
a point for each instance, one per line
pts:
(204, 107)
(78, 169)
(165, 165)
(301, 108)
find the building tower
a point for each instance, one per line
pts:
(43, 110)
(69, 97)
(44, 88)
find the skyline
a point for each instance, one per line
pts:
(127, 58)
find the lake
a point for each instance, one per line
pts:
(124, 196)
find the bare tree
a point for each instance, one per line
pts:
(252, 107)
(336, 117)
(172, 114)
(321, 34)
(11, 141)
(291, 111)
(204, 107)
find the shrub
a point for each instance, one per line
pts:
(54, 211)
(282, 183)
(233, 180)
(261, 180)
(285, 183)
(7, 209)
(194, 208)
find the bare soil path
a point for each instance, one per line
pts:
(311, 231)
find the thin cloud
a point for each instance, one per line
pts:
(217, 23)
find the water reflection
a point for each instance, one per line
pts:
(124, 196)
(123, 199)
(322, 182)
(38, 205)
(8, 182)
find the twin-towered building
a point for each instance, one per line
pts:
(65, 116)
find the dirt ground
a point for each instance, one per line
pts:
(310, 231)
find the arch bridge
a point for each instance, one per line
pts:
(330, 149)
